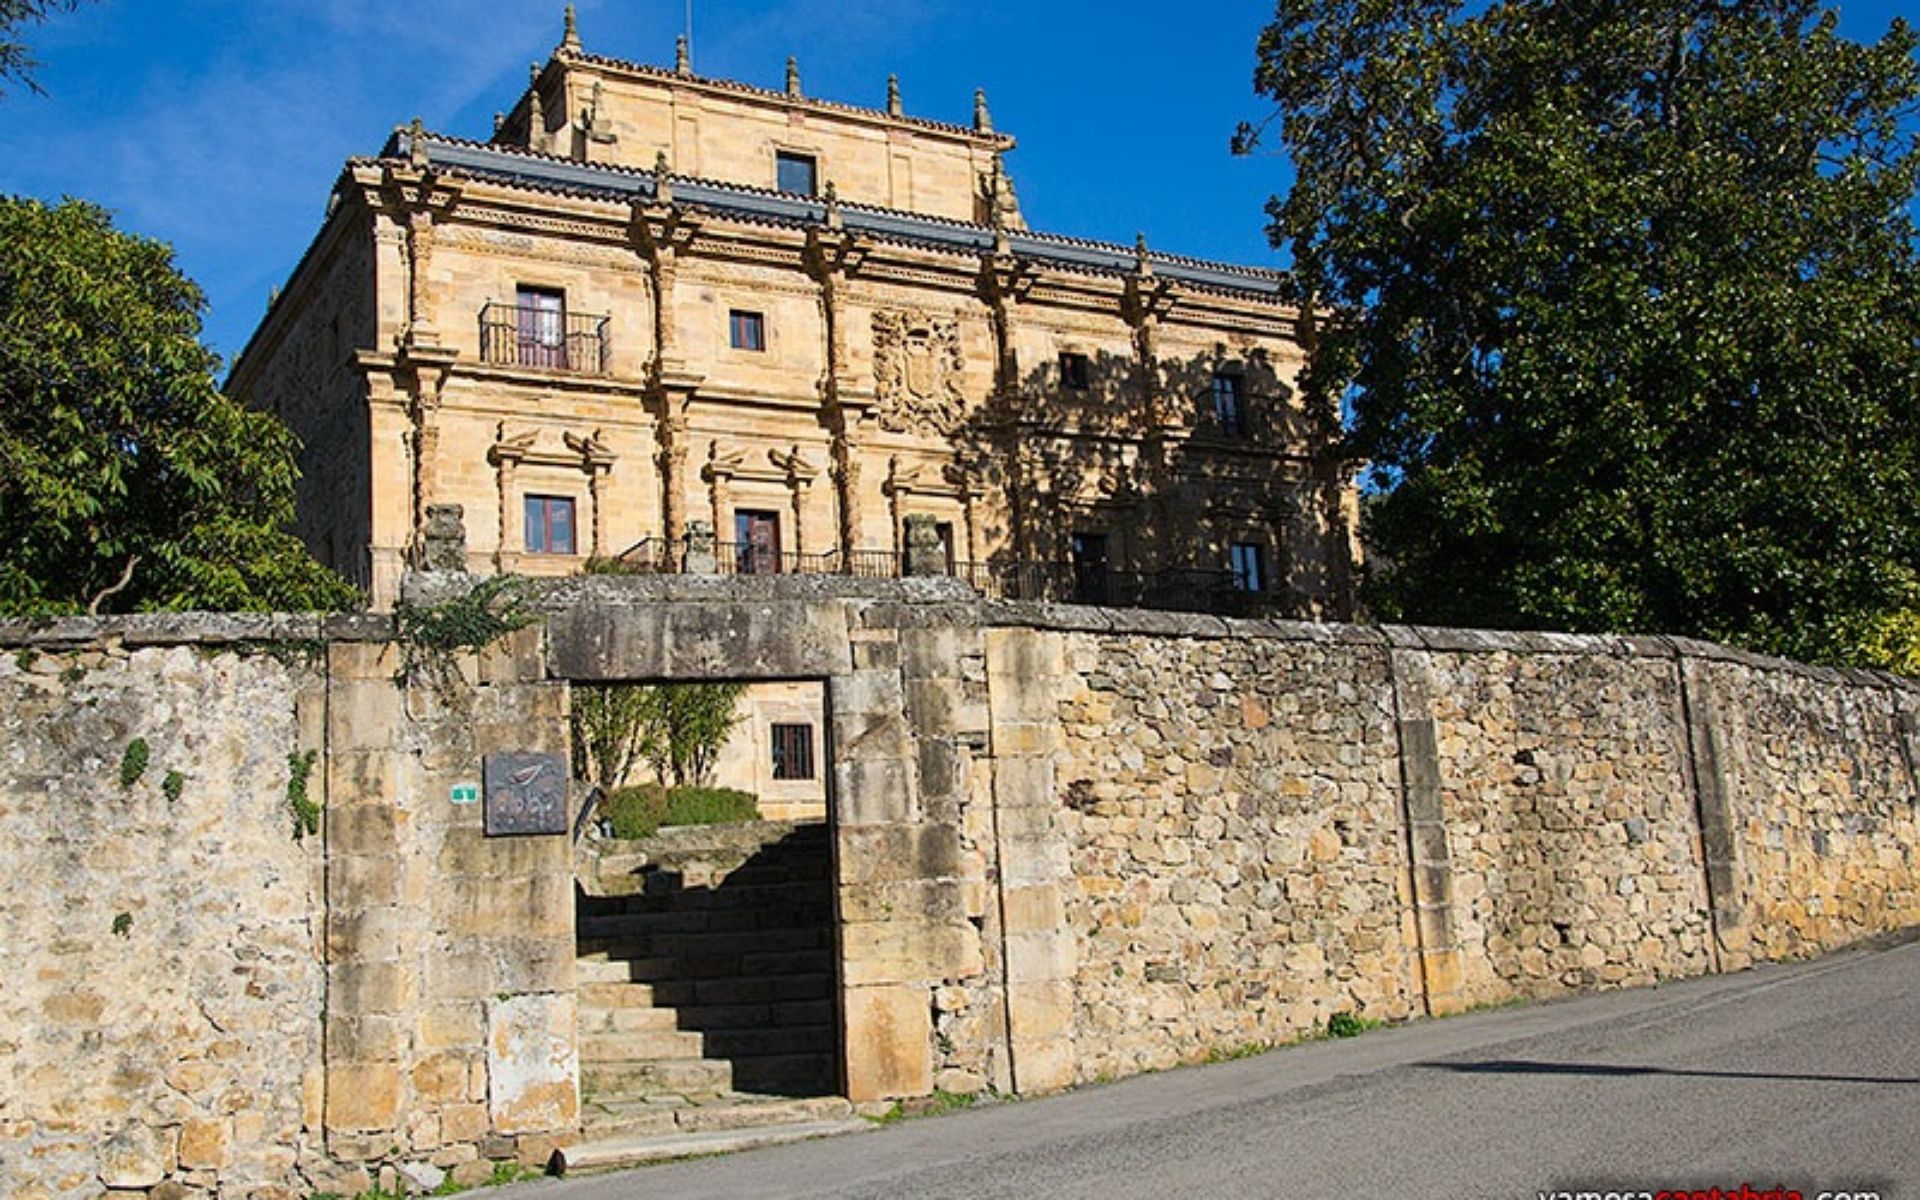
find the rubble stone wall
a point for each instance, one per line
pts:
(1069, 844)
(160, 974)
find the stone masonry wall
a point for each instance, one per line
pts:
(1069, 844)
(1570, 833)
(1823, 817)
(1237, 863)
(160, 977)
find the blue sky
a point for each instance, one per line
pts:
(220, 125)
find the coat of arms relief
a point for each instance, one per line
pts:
(917, 365)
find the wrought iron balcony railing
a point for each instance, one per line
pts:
(1179, 589)
(551, 339)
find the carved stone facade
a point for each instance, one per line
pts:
(655, 300)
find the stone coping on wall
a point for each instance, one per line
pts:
(915, 602)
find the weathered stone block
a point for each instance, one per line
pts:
(889, 1042)
(531, 1064)
(363, 1097)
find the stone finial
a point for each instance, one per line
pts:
(982, 119)
(831, 198)
(894, 107)
(499, 123)
(417, 143)
(926, 553)
(662, 179)
(793, 76)
(1140, 253)
(682, 56)
(700, 549)
(443, 539)
(570, 38)
(536, 116)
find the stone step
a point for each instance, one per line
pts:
(805, 915)
(705, 945)
(736, 1044)
(598, 968)
(618, 994)
(645, 1045)
(626, 1020)
(629, 1079)
(612, 1154)
(765, 1015)
(785, 1073)
(655, 894)
(674, 1114)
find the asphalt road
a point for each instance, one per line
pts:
(1806, 1076)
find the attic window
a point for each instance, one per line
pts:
(795, 173)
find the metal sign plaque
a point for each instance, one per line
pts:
(525, 793)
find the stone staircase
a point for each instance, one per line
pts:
(706, 983)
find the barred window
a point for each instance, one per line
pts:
(793, 752)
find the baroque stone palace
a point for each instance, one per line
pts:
(700, 325)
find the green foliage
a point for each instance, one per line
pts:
(642, 811)
(938, 1104)
(172, 786)
(16, 61)
(1628, 302)
(692, 805)
(306, 811)
(615, 728)
(133, 762)
(1347, 1024)
(635, 812)
(697, 719)
(123, 924)
(432, 634)
(495, 607)
(125, 475)
(680, 728)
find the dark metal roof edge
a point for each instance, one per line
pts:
(628, 182)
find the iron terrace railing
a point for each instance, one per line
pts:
(551, 339)
(1175, 589)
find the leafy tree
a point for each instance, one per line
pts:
(616, 727)
(16, 61)
(126, 477)
(696, 720)
(678, 728)
(1627, 308)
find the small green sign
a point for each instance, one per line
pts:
(466, 793)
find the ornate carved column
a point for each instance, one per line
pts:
(661, 232)
(416, 198)
(597, 461)
(1147, 299)
(719, 473)
(832, 256)
(800, 475)
(506, 454)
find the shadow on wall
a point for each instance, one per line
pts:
(1103, 474)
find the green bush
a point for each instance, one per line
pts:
(635, 812)
(639, 812)
(710, 806)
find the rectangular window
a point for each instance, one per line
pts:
(1229, 412)
(549, 525)
(793, 752)
(1090, 579)
(1073, 371)
(756, 537)
(796, 173)
(746, 330)
(541, 327)
(1249, 562)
